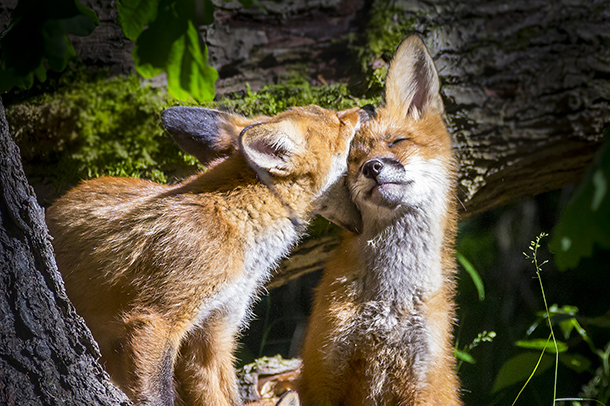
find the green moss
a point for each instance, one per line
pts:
(273, 99)
(388, 25)
(110, 126)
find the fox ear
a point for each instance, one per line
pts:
(204, 133)
(412, 84)
(270, 146)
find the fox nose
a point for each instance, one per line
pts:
(371, 169)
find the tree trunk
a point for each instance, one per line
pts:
(47, 354)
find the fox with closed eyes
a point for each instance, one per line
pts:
(381, 328)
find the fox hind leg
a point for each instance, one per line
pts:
(205, 373)
(145, 358)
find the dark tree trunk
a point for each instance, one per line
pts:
(47, 354)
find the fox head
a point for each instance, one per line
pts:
(303, 142)
(401, 159)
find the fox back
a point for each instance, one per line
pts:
(380, 332)
(164, 275)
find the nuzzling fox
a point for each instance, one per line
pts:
(380, 331)
(164, 275)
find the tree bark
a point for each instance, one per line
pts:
(47, 353)
(526, 92)
(525, 83)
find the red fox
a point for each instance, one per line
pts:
(381, 328)
(164, 275)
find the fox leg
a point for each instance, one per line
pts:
(205, 373)
(143, 358)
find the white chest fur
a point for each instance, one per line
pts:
(260, 257)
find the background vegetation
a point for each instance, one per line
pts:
(81, 124)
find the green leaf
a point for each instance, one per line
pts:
(474, 275)
(8, 80)
(134, 15)
(464, 356)
(585, 221)
(41, 28)
(154, 44)
(196, 76)
(575, 362)
(59, 62)
(172, 44)
(208, 12)
(87, 12)
(567, 326)
(519, 368)
(541, 344)
(79, 25)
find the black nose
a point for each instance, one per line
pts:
(372, 168)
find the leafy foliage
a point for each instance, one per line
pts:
(167, 40)
(517, 369)
(40, 27)
(464, 355)
(590, 206)
(520, 367)
(93, 128)
(165, 31)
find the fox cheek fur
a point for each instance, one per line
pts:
(164, 275)
(381, 328)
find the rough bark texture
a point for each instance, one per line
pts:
(525, 82)
(312, 37)
(47, 354)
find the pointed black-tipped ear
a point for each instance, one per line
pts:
(204, 133)
(412, 84)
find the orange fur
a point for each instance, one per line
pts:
(164, 275)
(380, 330)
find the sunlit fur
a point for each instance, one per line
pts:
(380, 331)
(164, 275)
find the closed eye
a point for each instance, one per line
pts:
(397, 141)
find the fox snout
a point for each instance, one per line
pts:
(383, 170)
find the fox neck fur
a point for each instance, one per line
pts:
(404, 256)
